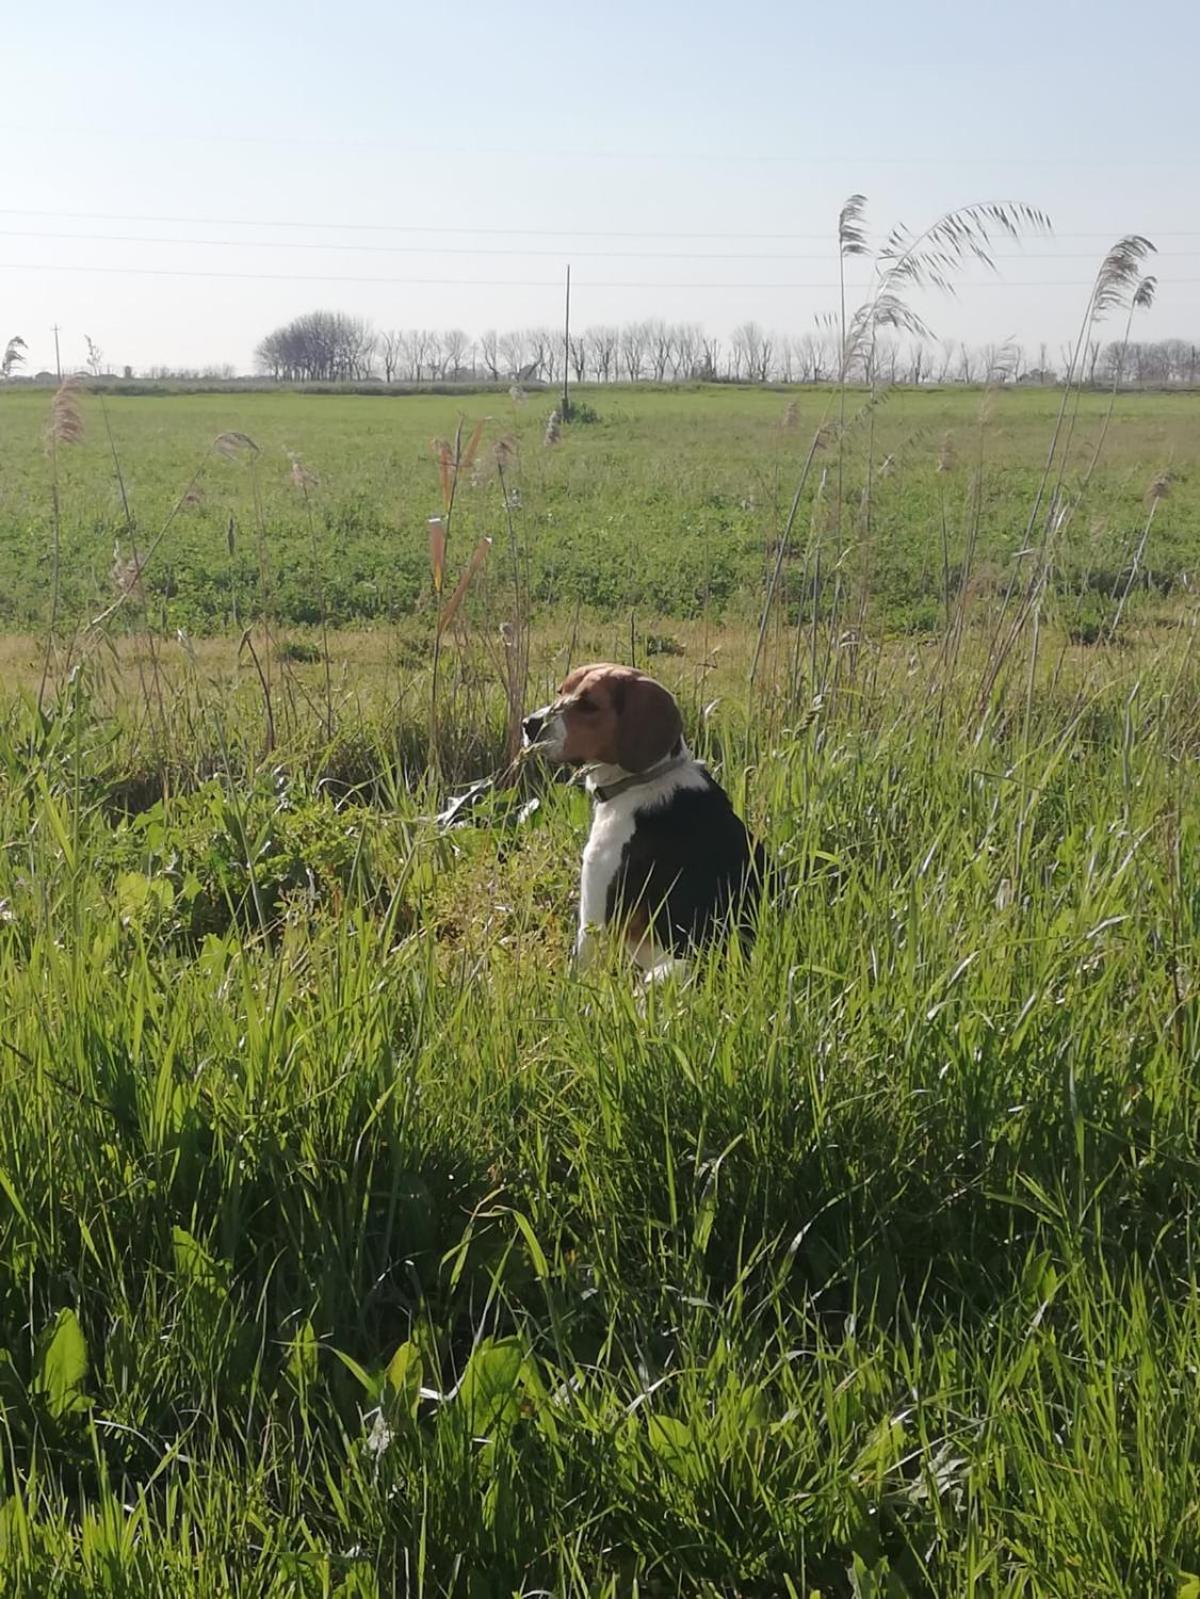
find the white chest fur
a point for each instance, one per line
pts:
(612, 828)
(613, 825)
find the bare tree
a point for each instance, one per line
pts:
(815, 356)
(750, 348)
(391, 349)
(512, 348)
(660, 342)
(440, 344)
(766, 354)
(322, 345)
(489, 353)
(456, 347)
(417, 344)
(362, 348)
(633, 349)
(710, 360)
(740, 352)
(603, 344)
(1112, 362)
(543, 347)
(686, 353)
(997, 362)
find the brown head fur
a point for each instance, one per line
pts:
(616, 716)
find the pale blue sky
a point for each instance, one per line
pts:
(610, 126)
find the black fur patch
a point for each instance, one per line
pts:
(691, 868)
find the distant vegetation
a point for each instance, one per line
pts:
(330, 348)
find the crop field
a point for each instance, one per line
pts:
(352, 1245)
(669, 502)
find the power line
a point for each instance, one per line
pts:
(460, 231)
(488, 250)
(426, 249)
(329, 277)
(722, 157)
(501, 283)
(393, 227)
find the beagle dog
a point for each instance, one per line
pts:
(668, 862)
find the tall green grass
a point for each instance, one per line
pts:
(350, 1245)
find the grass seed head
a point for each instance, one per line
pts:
(66, 415)
(437, 551)
(125, 573)
(302, 478)
(233, 445)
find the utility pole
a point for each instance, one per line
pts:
(57, 358)
(566, 399)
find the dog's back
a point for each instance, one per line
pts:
(689, 871)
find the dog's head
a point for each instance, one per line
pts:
(607, 715)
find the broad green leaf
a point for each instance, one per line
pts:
(673, 1443)
(133, 894)
(194, 1263)
(64, 1365)
(490, 1389)
(196, 1268)
(404, 1378)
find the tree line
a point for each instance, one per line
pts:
(331, 346)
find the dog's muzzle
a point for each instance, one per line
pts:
(544, 732)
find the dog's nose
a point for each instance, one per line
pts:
(533, 726)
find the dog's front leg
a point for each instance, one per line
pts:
(586, 946)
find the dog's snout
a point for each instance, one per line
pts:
(533, 725)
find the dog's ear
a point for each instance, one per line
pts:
(649, 725)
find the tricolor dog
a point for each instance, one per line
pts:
(668, 862)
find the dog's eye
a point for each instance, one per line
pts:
(585, 705)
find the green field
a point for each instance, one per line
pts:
(350, 1245)
(668, 503)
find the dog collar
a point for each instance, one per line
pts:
(652, 774)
